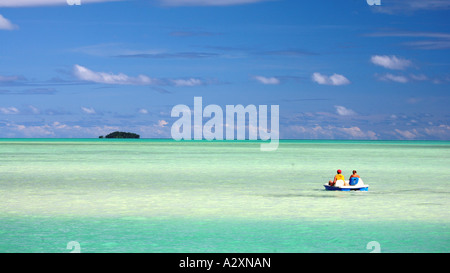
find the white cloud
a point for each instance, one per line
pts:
(308, 132)
(188, 82)
(208, 2)
(420, 77)
(407, 134)
(393, 78)
(342, 111)
(162, 123)
(356, 132)
(31, 131)
(85, 74)
(411, 78)
(334, 79)
(89, 111)
(440, 132)
(55, 129)
(5, 24)
(143, 111)
(36, 3)
(319, 78)
(390, 62)
(9, 110)
(328, 132)
(266, 80)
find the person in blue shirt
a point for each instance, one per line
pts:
(355, 179)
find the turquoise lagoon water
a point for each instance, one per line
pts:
(199, 196)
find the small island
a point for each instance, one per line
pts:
(118, 134)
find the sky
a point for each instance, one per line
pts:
(337, 69)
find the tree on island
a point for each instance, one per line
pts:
(118, 134)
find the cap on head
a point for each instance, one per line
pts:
(339, 171)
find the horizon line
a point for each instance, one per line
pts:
(214, 140)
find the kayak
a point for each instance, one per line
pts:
(360, 186)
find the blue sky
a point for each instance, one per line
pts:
(337, 69)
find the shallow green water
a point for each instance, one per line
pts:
(168, 196)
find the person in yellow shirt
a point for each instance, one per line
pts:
(338, 176)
